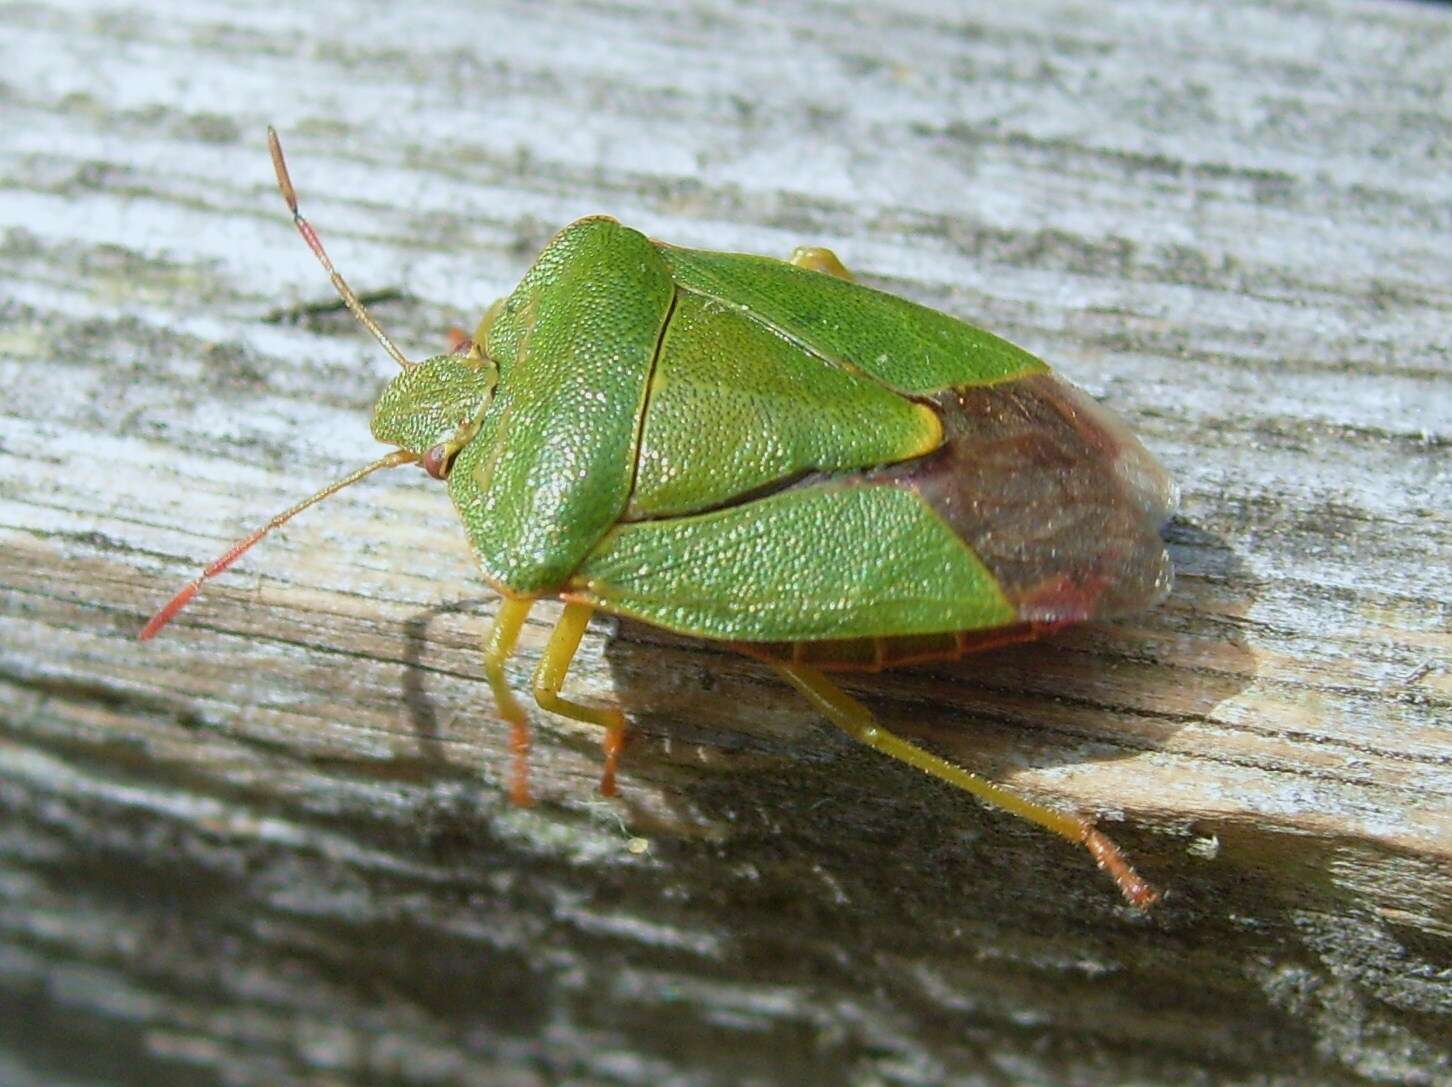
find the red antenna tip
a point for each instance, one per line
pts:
(240, 548)
(168, 613)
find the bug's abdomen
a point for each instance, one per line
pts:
(888, 651)
(1057, 499)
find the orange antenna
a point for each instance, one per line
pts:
(305, 228)
(242, 546)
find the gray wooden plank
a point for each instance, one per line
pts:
(273, 847)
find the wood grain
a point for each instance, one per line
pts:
(272, 847)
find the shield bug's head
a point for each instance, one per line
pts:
(432, 409)
(429, 411)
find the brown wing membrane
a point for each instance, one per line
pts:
(1056, 496)
(1060, 501)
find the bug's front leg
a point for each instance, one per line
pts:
(856, 720)
(498, 648)
(549, 677)
(819, 259)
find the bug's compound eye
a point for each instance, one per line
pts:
(437, 461)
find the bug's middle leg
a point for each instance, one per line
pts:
(820, 259)
(857, 720)
(549, 677)
(498, 648)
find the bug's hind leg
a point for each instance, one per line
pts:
(498, 648)
(856, 720)
(549, 677)
(819, 259)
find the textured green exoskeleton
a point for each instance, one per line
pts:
(766, 453)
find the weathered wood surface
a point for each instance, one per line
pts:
(272, 847)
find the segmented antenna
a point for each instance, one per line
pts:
(305, 228)
(242, 546)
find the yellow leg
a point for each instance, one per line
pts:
(856, 720)
(549, 677)
(819, 259)
(498, 648)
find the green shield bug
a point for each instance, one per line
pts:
(767, 454)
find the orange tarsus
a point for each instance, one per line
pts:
(613, 744)
(1108, 857)
(519, 782)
